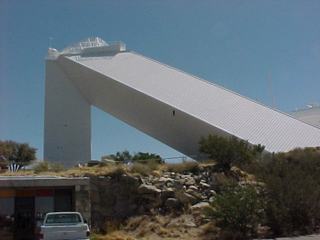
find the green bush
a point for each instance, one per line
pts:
(126, 156)
(143, 157)
(229, 151)
(238, 210)
(292, 183)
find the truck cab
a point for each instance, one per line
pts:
(64, 226)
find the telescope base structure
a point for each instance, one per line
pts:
(67, 135)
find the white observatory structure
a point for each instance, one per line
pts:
(310, 114)
(168, 104)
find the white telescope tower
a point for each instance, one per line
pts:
(168, 104)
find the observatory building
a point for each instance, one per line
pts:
(168, 104)
(310, 114)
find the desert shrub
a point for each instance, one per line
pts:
(144, 168)
(47, 167)
(184, 167)
(229, 151)
(116, 172)
(238, 210)
(292, 183)
(107, 162)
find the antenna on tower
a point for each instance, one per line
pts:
(50, 42)
(271, 92)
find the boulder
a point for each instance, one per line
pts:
(194, 188)
(190, 181)
(172, 203)
(213, 192)
(130, 180)
(165, 180)
(204, 185)
(148, 189)
(186, 198)
(189, 224)
(200, 207)
(194, 193)
(181, 181)
(167, 193)
(211, 199)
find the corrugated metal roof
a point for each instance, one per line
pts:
(220, 107)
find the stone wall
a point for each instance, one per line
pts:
(113, 198)
(82, 201)
(121, 195)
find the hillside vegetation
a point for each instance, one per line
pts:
(242, 193)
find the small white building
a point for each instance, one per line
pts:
(310, 115)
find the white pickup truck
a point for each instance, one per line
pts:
(64, 226)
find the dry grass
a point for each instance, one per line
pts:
(143, 169)
(156, 227)
(160, 227)
(182, 167)
(73, 172)
(209, 231)
(118, 235)
(46, 166)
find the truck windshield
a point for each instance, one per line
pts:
(63, 218)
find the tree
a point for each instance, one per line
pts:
(11, 151)
(228, 151)
(119, 156)
(137, 157)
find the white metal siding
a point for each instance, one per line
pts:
(219, 107)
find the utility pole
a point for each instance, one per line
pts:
(50, 42)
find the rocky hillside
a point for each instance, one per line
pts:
(179, 195)
(151, 201)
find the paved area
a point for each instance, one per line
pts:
(309, 237)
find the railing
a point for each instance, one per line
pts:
(93, 45)
(176, 159)
(88, 43)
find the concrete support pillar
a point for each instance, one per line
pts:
(67, 130)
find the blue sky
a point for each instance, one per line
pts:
(266, 50)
